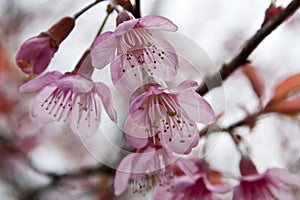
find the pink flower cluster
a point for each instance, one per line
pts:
(162, 121)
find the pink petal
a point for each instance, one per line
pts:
(216, 188)
(182, 182)
(123, 174)
(176, 145)
(43, 60)
(207, 115)
(135, 134)
(85, 122)
(188, 167)
(185, 85)
(125, 27)
(138, 101)
(103, 50)
(106, 97)
(32, 47)
(158, 23)
(283, 176)
(238, 193)
(40, 81)
(41, 113)
(164, 62)
(196, 108)
(284, 192)
(35, 54)
(134, 164)
(126, 81)
(75, 83)
(160, 193)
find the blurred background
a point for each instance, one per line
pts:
(49, 162)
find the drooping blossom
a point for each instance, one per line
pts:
(273, 184)
(186, 188)
(71, 97)
(205, 184)
(134, 52)
(168, 116)
(35, 54)
(149, 166)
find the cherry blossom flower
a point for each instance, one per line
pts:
(168, 117)
(139, 52)
(274, 184)
(150, 165)
(71, 97)
(36, 53)
(205, 184)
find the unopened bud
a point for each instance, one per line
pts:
(59, 31)
(35, 54)
(110, 8)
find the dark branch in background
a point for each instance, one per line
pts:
(55, 179)
(137, 9)
(215, 80)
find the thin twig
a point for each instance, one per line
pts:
(215, 80)
(76, 15)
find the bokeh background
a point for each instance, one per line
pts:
(32, 154)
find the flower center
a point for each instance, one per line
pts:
(60, 103)
(166, 117)
(140, 49)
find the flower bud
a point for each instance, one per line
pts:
(36, 53)
(59, 31)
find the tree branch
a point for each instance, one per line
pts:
(215, 80)
(137, 9)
